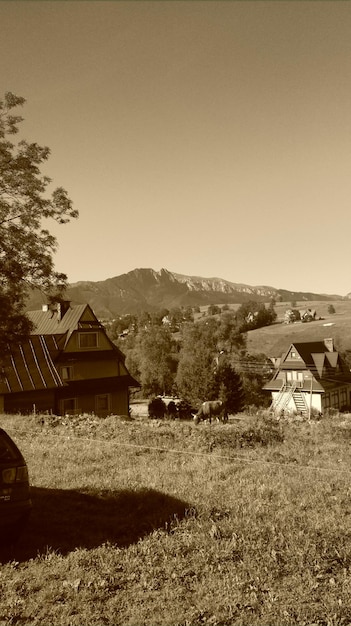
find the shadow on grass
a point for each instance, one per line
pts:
(64, 520)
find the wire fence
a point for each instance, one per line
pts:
(205, 455)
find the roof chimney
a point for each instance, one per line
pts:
(62, 308)
(45, 307)
(329, 344)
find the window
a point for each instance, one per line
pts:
(103, 403)
(294, 376)
(294, 355)
(69, 406)
(67, 372)
(88, 340)
(343, 397)
(326, 400)
(335, 399)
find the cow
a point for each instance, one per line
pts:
(210, 409)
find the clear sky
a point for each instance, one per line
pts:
(209, 138)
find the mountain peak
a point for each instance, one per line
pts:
(145, 289)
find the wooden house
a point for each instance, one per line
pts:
(67, 366)
(310, 377)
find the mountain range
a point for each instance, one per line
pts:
(145, 289)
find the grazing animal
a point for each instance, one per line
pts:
(210, 409)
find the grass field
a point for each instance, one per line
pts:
(275, 339)
(139, 522)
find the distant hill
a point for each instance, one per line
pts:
(274, 340)
(148, 290)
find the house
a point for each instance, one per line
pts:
(310, 377)
(67, 366)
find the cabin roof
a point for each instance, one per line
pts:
(30, 367)
(49, 322)
(321, 361)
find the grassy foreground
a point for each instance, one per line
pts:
(146, 523)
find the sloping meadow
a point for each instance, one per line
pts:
(144, 522)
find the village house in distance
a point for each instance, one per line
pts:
(310, 378)
(67, 366)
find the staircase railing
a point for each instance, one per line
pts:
(283, 398)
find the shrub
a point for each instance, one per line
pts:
(172, 410)
(185, 410)
(157, 408)
(257, 433)
(263, 432)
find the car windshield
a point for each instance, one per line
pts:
(7, 450)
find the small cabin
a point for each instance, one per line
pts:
(310, 377)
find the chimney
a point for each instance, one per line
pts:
(329, 344)
(45, 308)
(62, 308)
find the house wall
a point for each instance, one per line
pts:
(74, 344)
(88, 369)
(43, 401)
(316, 402)
(101, 404)
(100, 361)
(337, 398)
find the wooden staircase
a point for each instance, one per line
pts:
(300, 403)
(283, 398)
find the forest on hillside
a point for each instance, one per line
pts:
(197, 355)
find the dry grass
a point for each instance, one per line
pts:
(139, 522)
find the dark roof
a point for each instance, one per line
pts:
(49, 322)
(307, 348)
(315, 357)
(275, 384)
(30, 367)
(314, 354)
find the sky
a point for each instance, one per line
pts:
(210, 138)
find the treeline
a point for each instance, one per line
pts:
(197, 356)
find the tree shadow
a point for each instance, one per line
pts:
(63, 520)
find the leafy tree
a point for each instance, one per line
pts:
(227, 386)
(176, 318)
(122, 323)
(188, 315)
(251, 315)
(143, 320)
(228, 333)
(197, 360)
(26, 248)
(151, 360)
(255, 371)
(213, 309)
(157, 316)
(331, 309)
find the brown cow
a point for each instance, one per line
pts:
(209, 409)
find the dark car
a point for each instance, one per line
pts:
(15, 502)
